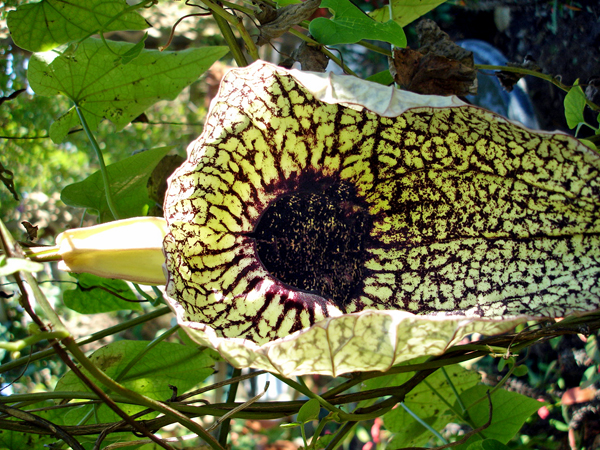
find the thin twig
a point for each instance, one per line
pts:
(225, 421)
(37, 421)
(237, 409)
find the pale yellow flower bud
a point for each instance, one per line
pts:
(129, 249)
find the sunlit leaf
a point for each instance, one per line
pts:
(9, 266)
(165, 364)
(309, 411)
(427, 402)
(349, 25)
(405, 11)
(42, 26)
(93, 78)
(128, 180)
(510, 410)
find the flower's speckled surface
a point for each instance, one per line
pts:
(469, 214)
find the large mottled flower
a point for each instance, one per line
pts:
(309, 197)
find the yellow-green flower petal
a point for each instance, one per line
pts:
(466, 213)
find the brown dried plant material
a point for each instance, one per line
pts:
(439, 67)
(431, 74)
(509, 79)
(32, 231)
(310, 57)
(285, 18)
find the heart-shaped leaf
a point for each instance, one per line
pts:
(349, 25)
(93, 77)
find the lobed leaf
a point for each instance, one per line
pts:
(94, 78)
(42, 26)
(349, 25)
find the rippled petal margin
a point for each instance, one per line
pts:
(358, 342)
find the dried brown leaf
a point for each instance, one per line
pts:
(432, 74)
(439, 67)
(509, 79)
(287, 17)
(310, 58)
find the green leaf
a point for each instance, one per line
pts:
(134, 51)
(95, 294)
(405, 11)
(589, 143)
(510, 411)
(592, 349)
(560, 426)
(105, 89)
(324, 441)
(349, 25)
(309, 411)
(502, 362)
(520, 371)
(128, 179)
(383, 77)
(165, 364)
(426, 403)
(9, 266)
(574, 105)
(42, 26)
(488, 444)
(590, 376)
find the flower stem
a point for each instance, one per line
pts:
(237, 23)
(16, 346)
(424, 424)
(103, 169)
(235, 49)
(533, 73)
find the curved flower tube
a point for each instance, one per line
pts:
(129, 249)
(310, 196)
